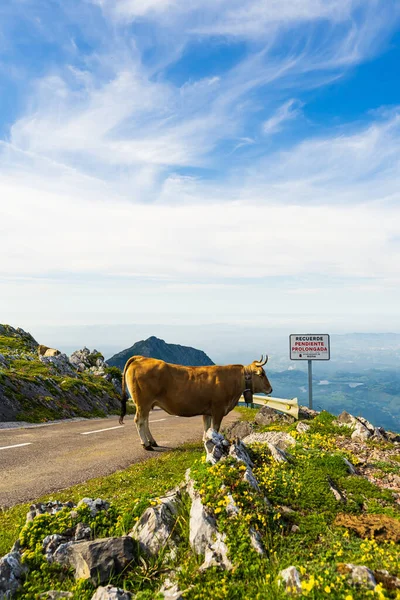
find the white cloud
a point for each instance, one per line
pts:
(288, 111)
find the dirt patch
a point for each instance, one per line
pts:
(380, 527)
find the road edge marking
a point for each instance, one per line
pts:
(15, 446)
(100, 430)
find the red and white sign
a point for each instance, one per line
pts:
(309, 346)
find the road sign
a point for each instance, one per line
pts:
(309, 346)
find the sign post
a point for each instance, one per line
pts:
(309, 347)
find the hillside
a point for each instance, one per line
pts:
(155, 348)
(36, 388)
(306, 509)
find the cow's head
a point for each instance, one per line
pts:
(261, 383)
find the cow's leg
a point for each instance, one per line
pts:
(140, 421)
(149, 436)
(206, 424)
(216, 421)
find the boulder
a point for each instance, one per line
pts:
(267, 416)
(361, 433)
(12, 572)
(216, 446)
(99, 559)
(389, 582)
(111, 593)
(307, 413)
(155, 528)
(202, 524)
(279, 438)
(291, 579)
(49, 507)
(239, 452)
(362, 576)
(302, 427)
(59, 364)
(238, 430)
(51, 543)
(347, 419)
(277, 454)
(204, 538)
(95, 506)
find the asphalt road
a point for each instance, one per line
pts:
(44, 459)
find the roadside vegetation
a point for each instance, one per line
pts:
(304, 524)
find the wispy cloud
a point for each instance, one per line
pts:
(119, 167)
(288, 111)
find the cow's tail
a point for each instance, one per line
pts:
(124, 395)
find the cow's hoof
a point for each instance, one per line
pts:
(147, 447)
(154, 444)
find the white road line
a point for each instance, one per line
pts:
(157, 420)
(100, 430)
(15, 446)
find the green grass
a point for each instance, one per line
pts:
(143, 480)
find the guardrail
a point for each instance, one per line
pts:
(287, 406)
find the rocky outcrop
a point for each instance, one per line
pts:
(155, 529)
(268, 416)
(98, 560)
(37, 387)
(280, 439)
(12, 572)
(155, 348)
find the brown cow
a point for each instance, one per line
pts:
(188, 391)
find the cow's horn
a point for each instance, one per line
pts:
(260, 363)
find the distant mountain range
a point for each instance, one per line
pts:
(153, 347)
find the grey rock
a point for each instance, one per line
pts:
(202, 525)
(51, 543)
(216, 554)
(216, 446)
(336, 492)
(303, 427)
(238, 430)
(267, 416)
(251, 480)
(360, 575)
(360, 433)
(99, 559)
(111, 593)
(367, 424)
(95, 505)
(59, 364)
(388, 581)
(279, 438)
(170, 590)
(155, 528)
(277, 454)
(256, 542)
(239, 451)
(307, 413)
(347, 419)
(351, 468)
(12, 572)
(291, 579)
(82, 532)
(204, 538)
(49, 507)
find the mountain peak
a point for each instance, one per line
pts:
(154, 347)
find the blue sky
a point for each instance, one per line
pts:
(200, 161)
